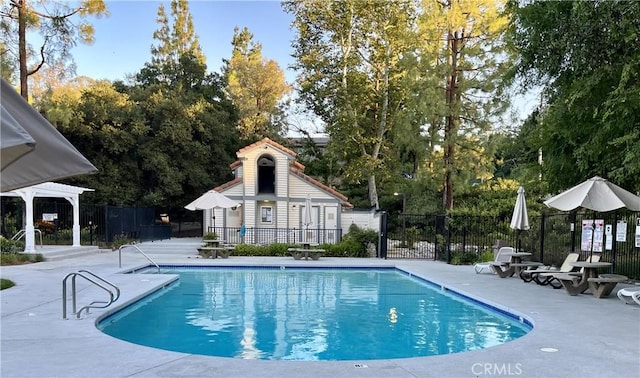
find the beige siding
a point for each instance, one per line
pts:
(300, 188)
(282, 175)
(234, 192)
(364, 219)
(249, 214)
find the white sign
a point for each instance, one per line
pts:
(49, 217)
(592, 230)
(621, 231)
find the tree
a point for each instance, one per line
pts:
(590, 74)
(348, 55)
(60, 26)
(177, 38)
(463, 42)
(256, 86)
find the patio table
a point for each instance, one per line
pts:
(514, 265)
(578, 284)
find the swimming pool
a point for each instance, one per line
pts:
(277, 313)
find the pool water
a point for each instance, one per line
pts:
(309, 314)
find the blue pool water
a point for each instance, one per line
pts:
(309, 314)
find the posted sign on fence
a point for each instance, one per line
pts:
(597, 236)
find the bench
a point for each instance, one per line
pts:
(299, 253)
(571, 283)
(602, 285)
(215, 252)
(502, 269)
(523, 266)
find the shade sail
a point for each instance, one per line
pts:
(53, 157)
(595, 194)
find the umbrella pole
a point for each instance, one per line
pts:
(593, 233)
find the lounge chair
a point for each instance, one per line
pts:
(555, 283)
(502, 256)
(544, 276)
(630, 295)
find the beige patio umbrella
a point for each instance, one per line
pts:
(212, 200)
(520, 217)
(595, 194)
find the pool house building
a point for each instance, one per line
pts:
(279, 203)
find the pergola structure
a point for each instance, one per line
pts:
(51, 190)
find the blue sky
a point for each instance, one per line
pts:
(123, 40)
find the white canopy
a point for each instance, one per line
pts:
(51, 190)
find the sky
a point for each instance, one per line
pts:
(123, 39)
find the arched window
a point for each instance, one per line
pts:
(266, 175)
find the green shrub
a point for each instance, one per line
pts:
(252, 250)
(463, 258)
(119, 241)
(364, 237)
(278, 249)
(5, 284)
(20, 258)
(486, 256)
(8, 246)
(210, 236)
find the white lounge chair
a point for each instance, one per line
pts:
(544, 276)
(630, 295)
(502, 256)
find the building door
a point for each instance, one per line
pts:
(331, 224)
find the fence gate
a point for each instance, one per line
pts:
(411, 236)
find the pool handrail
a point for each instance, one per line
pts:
(74, 275)
(139, 250)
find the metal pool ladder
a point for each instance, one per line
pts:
(139, 250)
(111, 289)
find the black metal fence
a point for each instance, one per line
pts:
(98, 223)
(550, 238)
(266, 236)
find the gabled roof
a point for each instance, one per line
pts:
(228, 184)
(267, 141)
(49, 189)
(323, 187)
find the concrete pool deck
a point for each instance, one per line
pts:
(588, 337)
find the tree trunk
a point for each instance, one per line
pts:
(450, 129)
(22, 48)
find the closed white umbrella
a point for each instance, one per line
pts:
(212, 200)
(53, 157)
(520, 217)
(595, 194)
(306, 215)
(307, 219)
